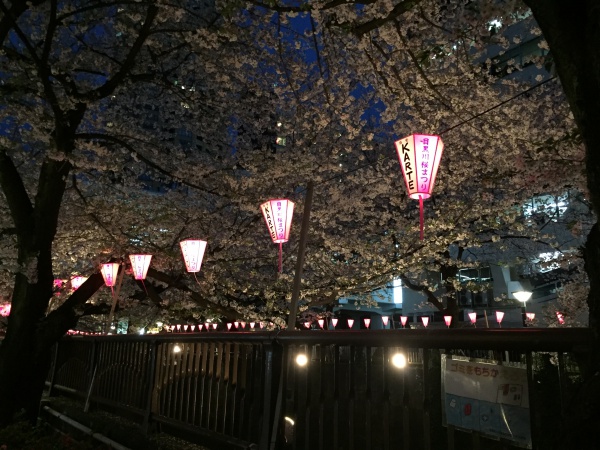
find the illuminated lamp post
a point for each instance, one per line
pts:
(278, 216)
(523, 296)
(193, 252)
(419, 156)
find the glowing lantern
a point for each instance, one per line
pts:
(321, 323)
(252, 325)
(334, 323)
(214, 326)
(5, 310)
(109, 273)
(350, 323)
(229, 326)
(419, 156)
(139, 265)
(499, 317)
(76, 282)
(385, 320)
(278, 216)
(560, 317)
(200, 327)
(306, 324)
(193, 328)
(237, 324)
(448, 320)
(367, 323)
(178, 327)
(403, 320)
(473, 317)
(193, 252)
(185, 327)
(530, 316)
(243, 324)
(425, 321)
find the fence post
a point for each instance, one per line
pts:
(151, 385)
(54, 368)
(272, 395)
(94, 359)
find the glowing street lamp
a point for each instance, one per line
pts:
(278, 214)
(419, 156)
(523, 296)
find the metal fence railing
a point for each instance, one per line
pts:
(344, 392)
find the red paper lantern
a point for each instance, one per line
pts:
(278, 216)
(77, 281)
(448, 320)
(193, 252)
(419, 156)
(139, 265)
(473, 317)
(109, 273)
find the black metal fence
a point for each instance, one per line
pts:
(240, 389)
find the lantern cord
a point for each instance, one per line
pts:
(421, 214)
(280, 257)
(196, 279)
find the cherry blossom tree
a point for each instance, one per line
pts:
(132, 126)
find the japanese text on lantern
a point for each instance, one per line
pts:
(269, 220)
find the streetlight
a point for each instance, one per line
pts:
(523, 296)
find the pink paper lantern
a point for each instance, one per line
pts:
(172, 327)
(109, 273)
(236, 324)
(252, 325)
(385, 320)
(243, 325)
(178, 327)
(403, 320)
(321, 323)
(425, 321)
(530, 316)
(448, 320)
(185, 327)
(306, 324)
(5, 310)
(200, 327)
(419, 156)
(193, 252)
(473, 317)
(499, 317)
(214, 326)
(560, 317)
(77, 281)
(261, 325)
(278, 214)
(229, 326)
(350, 323)
(139, 265)
(193, 328)
(367, 323)
(334, 323)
